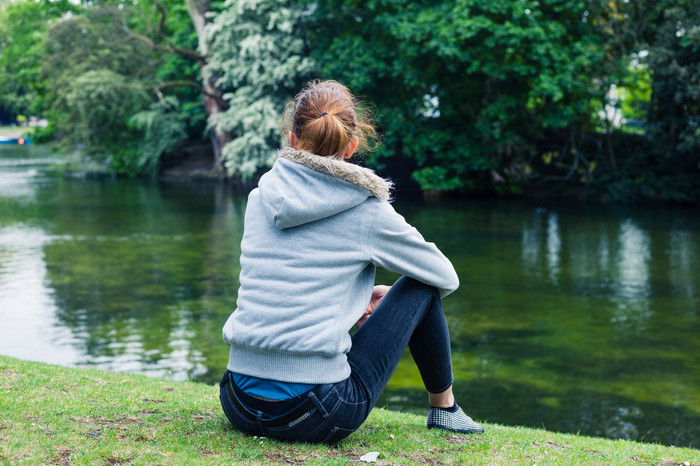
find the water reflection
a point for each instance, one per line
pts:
(587, 332)
(631, 286)
(681, 251)
(532, 241)
(575, 318)
(154, 267)
(553, 247)
(29, 325)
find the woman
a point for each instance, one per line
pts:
(315, 229)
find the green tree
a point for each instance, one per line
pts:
(259, 58)
(119, 88)
(466, 85)
(652, 56)
(95, 81)
(162, 127)
(674, 113)
(98, 107)
(22, 25)
(179, 30)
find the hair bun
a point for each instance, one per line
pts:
(328, 136)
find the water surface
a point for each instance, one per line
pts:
(570, 316)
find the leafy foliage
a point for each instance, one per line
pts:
(97, 75)
(163, 129)
(98, 106)
(464, 85)
(675, 60)
(173, 67)
(471, 95)
(258, 56)
(22, 25)
(92, 84)
(662, 93)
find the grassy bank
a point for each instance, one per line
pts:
(62, 415)
(15, 132)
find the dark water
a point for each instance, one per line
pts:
(577, 318)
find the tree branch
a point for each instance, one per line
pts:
(169, 45)
(159, 87)
(188, 53)
(193, 84)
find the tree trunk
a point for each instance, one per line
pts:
(212, 96)
(609, 144)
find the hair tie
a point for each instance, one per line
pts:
(324, 113)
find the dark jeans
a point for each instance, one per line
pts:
(409, 315)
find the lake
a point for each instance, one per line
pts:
(573, 317)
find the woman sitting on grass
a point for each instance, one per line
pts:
(315, 229)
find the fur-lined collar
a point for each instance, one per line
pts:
(361, 176)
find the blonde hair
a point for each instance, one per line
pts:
(325, 116)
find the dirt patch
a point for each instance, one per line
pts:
(113, 461)
(205, 452)
(102, 421)
(280, 458)
(10, 375)
(431, 456)
(277, 456)
(413, 459)
(663, 463)
(47, 432)
(202, 416)
(595, 452)
(552, 446)
(62, 456)
(94, 433)
(462, 439)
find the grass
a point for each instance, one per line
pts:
(58, 415)
(14, 132)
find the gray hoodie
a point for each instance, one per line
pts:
(315, 228)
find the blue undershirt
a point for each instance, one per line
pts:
(273, 389)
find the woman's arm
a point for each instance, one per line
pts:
(397, 246)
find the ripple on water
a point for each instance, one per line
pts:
(37, 162)
(17, 184)
(27, 307)
(19, 175)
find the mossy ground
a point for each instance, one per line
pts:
(58, 415)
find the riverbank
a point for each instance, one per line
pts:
(13, 132)
(61, 415)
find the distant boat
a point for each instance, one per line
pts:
(20, 141)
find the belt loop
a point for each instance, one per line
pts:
(318, 403)
(259, 421)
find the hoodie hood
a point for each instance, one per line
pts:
(303, 187)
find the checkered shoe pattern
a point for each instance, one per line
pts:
(455, 422)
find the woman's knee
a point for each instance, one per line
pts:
(411, 285)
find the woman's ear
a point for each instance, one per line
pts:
(292, 139)
(351, 147)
